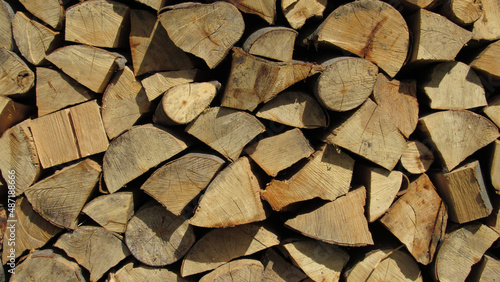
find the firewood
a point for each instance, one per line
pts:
(495, 166)
(417, 158)
(156, 237)
(418, 219)
(462, 12)
(131, 273)
(16, 77)
(327, 176)
(489, 269)
(464, 192)
(225, 130)
(493, 221)
(110, 23)
(11, 113)
(321, 262)
(399, 100)
(221, 245)
(158, 83)
(6, 17)
(276, 153)
(372, 40)
(232, 198)
(90, 66)
(370, 133)
(297, 12)
(181, 104)
(487, 27)
(60, 197)
(113, 219)
(346, 83)
(487, 61)
(265, 9)
(219, 26)
(263, 43)
(417, 4)
(341, 222)
(457, 134)
(49, 11)
(277, 269)
(492, 111)
(238, 270)
(86, 245)
(461, 249)
(131, 154)
(155, 4)
(254, 80)
(178, 182)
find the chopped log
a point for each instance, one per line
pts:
(327, 176)
(49, 11)
(232, 198)
(492, 111)
(131, 154)
(418, 219)
(158, 83)
(178, 182)
(417, 4)
(487, 27)
(370, 133)
(60, 197)
(341, 222)
(417, 158)
(488, 270)
(131, 273)
(493, 221)
(219, 246)
(487, 61)
(277, 269)
(462, 12)
(461, 249)
(225, 130)
(457, 134)
(464, 192)
(155, 4)
(346, 83)
(276, 153)
(11, 113)
(156, 237)
(16, 77)
(399, 100)
(297, 12)
(321, 262)
(113, 219)
(219, 26)
(238, 270)
(296, 109)
(263, 43)
(265, 9)
(94, 248)
(181, 104)
(436, 38)
(373, 40)
(495, 166)
(6, 17)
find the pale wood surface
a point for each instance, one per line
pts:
(417, 157)
(492, 111)
(6, 17)
(49, 11)
(495, 166)
(155, 4)
(16, 77)
(277, 269)
(132, 273)
(487, 27)
(489, 270)
(156, 84)
(462, 12)
(238, 270)
(266, 9)
(111, 211)
(416, 4)
(297, 12)
(11, 113)
(263, 43)
(487, 61)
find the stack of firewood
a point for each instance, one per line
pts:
(249, 140)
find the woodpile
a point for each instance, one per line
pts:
(245, 140)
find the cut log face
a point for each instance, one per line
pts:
(158, 83)
(231, 199)
(238, 270)
(218, 27)
(156, 237)
(155, 4)
(16, 77)
(6, 17)
(487, 61)
(457, 134)
(265, 9)
(417, 158)
(113, 219)
(276, 268)
(341, 222)
(462, 12)
(487, 27)
(219, 246)
(263, 43)
(49, 11)
(494, 166)
(131, 273)
(297, 12)
(492, 111)
(489, 269)
(225, 130)
(86, 245)
(11, 113)
(424, 4)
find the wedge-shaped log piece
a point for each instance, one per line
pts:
(327, 176)
(263, 43)
(218, 27)
(492, 111)
(49, 11)
(417, 4)
(138, 150)
(487, 27)
(231, 199)
(238, 270)
(155, 4)
(219, 246)
(487, 62)
(60, 197)
(94, 248)
(417, 158)
(6, 17)
(156, 237)
(265, 9)
(225, 130)
(493, 221)
(111, 211)
(156, 84)
(494, 166)
(488, 270)
(11, 113)
(341, 222)
(276, 268)
(16, 77)
(457, 134)
(131, 273)
(462, 12)
(297, 12)
(178, 182)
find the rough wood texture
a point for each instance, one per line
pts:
(6, 17)
(132, 273)
(11, 113)
(16, 77)
(238, 270)
(111, 211)
(49, 11)
(487, 27)
(156, 84)
(487, 61)
(297, 12)
(462, 12)
(277, 269)
(417, 158)
(488, 270)
(417, 4)
(263, 43)
(265, 9)
(495, 166)
(492, 111)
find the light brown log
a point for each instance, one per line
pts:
(487, 62)
(462, 12)
(132, 273)
(238, 270)
(219, 26)
(494, 168)
(418, 219)
(16, 77)
(49, 11)
(265, 9)
(225, 130)
(492, 111)
(457, 134)
(178, 182)
(417, 158)
(341, 222)
(155, 4)
(232, 198)
(417, 4)
(94, 248)
(277, 269)
(156, 237)
(263, 43)
(156, 84)
(297, 12)
(487, 27)
(11, 113)
(488, 270)
(221, 245)
(6, 17)
(138, 150)
(493, 221)
(111, 211)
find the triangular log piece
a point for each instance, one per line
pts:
(266, 9)
(492, 111)
(417, 157)
(155, 4)
(49, 11)
(157, 84)
(263, 43)
(6, 17)
(487, 27)
(16, 77)
(11, 113)
(417, 4)
(277, 269)
(297, 12)
(238, 270)
(487, 61)
(132, 273)
(113, 219)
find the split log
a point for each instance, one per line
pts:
(11, 113)
(49, 11)
(462, 12)
(6, 17)
(493, 221)
(297, 12)
(254, 80)
(418, 219)
(417, 158)
(131, 273)
(487, 61)
(219, 246)
(492, 111)
(16, 77)
(94, 248)
(341, 222)
(158, 83)
(494, 166)
(219, 26)
(131, 154)
(238, 270)
(156, 237)
(263, 43)
(113, 219)
(266, 9)
(420, 4)
(327, 176)
(225, 130)
(277, 269)
(155, 4)
(488, 270)
(487, 27)
(231, 199)
(457, 134)
(346, 83)
(178, 182)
